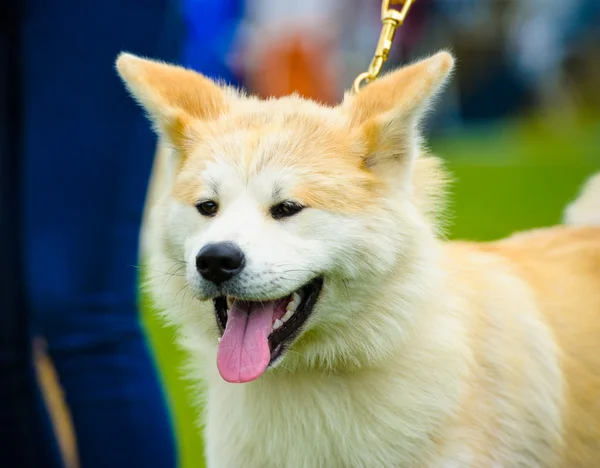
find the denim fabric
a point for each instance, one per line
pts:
(76, 158)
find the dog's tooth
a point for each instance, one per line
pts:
(278, 324)
(294, 303)
(219, 339)
(287, 316)
(229, 302)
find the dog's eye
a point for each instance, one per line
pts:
(286, 209)
(207, 208)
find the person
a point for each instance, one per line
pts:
(75, 162)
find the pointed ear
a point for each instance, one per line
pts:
(171, 95)
(388, 110)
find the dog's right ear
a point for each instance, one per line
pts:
(172, 96)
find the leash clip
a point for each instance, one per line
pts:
(391, 20)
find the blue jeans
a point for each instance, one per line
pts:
(76, 158)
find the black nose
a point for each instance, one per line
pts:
(219, 262)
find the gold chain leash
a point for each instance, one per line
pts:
(392, 20)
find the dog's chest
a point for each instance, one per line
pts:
(326, 425)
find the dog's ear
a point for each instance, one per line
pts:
(387, 112)
(171, 95)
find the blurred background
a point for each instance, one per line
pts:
(519, 126)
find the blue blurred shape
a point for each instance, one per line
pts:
(211, 28)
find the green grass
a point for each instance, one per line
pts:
(513, 177)
(170, 360)
(516, 176)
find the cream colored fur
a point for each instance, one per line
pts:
(585, 211)
(420, 352)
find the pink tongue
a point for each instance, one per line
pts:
(244, 352)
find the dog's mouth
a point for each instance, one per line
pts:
(256, 333)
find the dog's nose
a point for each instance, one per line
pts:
(219, 262)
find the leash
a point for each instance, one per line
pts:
(392, 19)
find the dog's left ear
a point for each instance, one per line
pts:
(171, 95)
(387, 112)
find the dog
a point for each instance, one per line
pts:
(297, 250)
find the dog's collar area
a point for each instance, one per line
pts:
(291, 312)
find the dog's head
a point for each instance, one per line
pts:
(292, 223)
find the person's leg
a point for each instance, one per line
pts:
(26, 437)
(88, 154)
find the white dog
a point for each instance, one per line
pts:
(296, 250)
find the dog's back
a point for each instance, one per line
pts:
(561, 265)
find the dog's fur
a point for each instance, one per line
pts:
(419, 352)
